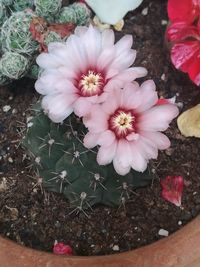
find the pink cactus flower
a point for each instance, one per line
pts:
(172, 189)
(62, 249)
(127, 127)
(81, 72)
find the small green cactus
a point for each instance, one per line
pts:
(20, 5)
(3, 13)
(16, 36)
(52, 37)
(14, 65)
(47, 8)
(77, 13)
(67, 167)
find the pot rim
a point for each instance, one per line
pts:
(181, 249)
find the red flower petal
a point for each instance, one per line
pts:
(194, 71)
(163, 101)
(184, 53)
(180, 10)
(62, 249)
(179, 31)
(172, 189)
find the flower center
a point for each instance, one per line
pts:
(91, 83)
(122, 123)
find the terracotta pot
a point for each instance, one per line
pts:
(181, 249)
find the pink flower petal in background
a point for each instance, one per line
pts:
(172, 189)
(62, 249)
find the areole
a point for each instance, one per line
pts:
(181, 249)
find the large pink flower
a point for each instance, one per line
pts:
(81, 72)
(127, 127)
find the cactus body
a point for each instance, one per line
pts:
(77, 13)
(15, 34)
(14, 65)
(47, 8)
(20, 5)
(67, 167)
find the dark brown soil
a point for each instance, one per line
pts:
(36, 218)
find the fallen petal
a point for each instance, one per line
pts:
(172, 189)
(62, 249)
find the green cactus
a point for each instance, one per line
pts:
(52, 37)
(14, 65)
(3, 13)
(77, 13)
(47, 8)
(20, 5)
(67, 167)
(16, 36)
(7, 2)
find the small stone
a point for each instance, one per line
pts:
(163, 76)
(145, 11)
(14, 111)
(164, 22)
(189, 122)
(163, 232)
(10, 160)
(180, 223)
(6, 108)
(115, 248)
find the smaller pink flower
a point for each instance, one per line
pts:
(127, 127)
(172, 189)
(62, 249)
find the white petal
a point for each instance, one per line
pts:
(106, 154)
(121, 170)
(58, 107)
(80, 30)
(130, 74)
(108, 38)
(139, 163)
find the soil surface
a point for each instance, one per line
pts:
(36, 218)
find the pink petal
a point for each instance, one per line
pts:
(90, 140)
(80, 30)
(47, 60)
(106, 138)
(158, 139)
(105, 58)
(82, 107)
(172, 189)
(157, 118)
(62, 249)
(124, 60)
(106, 154)
(123, 153)
(149, 95)
(96, 122)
